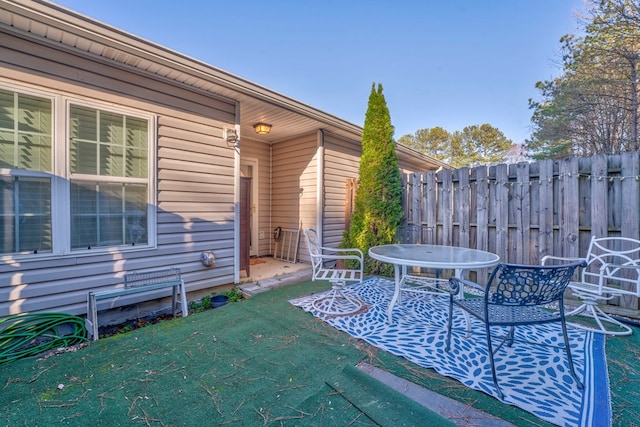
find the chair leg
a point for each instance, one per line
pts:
(509, 338)
(467, 319)
(591, 309)
(569, 357)
(449, 324)
(492, 362)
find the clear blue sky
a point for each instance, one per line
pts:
(447, 63)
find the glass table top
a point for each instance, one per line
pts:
(434, 256)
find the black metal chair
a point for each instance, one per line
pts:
(517, 295)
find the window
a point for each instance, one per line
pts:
(25, 194)
(108, 157)
(102, 184)
(26, 216)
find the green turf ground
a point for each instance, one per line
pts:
(257, 362)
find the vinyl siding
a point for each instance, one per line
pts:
(342, 161)
(195, 185)
(294, 185)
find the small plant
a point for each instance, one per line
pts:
(234, 295)
(206, 302)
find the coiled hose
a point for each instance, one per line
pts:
(30, 334)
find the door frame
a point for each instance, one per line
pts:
(255, 205)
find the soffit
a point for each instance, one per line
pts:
(63, 27)
(68, 29)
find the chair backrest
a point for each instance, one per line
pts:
(529, 285)
(137, 279)
(315, 251)
(604, 258)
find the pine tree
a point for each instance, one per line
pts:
(378, 203)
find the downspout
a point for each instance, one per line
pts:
(236, 199)
(320, 187)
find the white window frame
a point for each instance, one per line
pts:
(61, 176)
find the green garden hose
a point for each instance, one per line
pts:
(31, 334)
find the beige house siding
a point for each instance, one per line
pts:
(195, 181)
(294, 185)
(302, 164)
(342, 161)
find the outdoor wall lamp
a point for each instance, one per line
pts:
(231, 137)
(262, 128)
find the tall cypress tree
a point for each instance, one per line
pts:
(378, 203)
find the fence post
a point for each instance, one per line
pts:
(429, 205)
(501, 200)
(414, 198)
(599, 196)
(545, 210)
(523, 213)
(630, 186)
(482, 207)
(461, 206)
(445, 206)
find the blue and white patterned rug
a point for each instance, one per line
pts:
(533, 373)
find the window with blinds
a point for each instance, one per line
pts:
(25, 193)
(101, 179)
(108, 155)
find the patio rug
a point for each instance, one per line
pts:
(533, 373)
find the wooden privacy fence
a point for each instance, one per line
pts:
(525, 211)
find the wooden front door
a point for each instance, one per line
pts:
(245, 224)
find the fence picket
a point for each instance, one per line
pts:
(429, 192)
(630, 201)
(569, 205)
(445, 207)
(545, 209)
(461, 212)
(502, 211)
(481, 180)
(523, 213)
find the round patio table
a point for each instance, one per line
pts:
(429, 256)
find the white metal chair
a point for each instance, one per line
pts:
(326, 266)
(613, 270)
